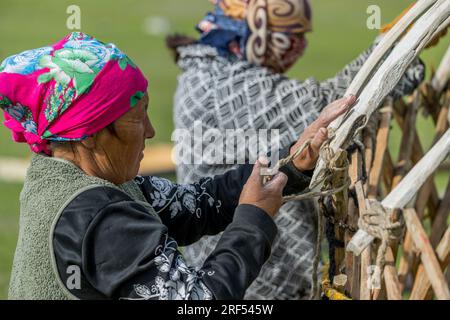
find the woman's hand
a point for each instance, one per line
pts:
(269, 196)
(318, 134)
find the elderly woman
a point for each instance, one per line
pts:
(89, 227)
(232, 79)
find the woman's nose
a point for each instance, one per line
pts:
(149, 130)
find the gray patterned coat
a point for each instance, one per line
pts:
(228, 94)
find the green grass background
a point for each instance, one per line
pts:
(340, 34)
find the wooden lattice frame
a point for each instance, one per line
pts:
(424, 254)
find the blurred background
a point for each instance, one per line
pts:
(139, 27)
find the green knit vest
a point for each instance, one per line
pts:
(50, 185)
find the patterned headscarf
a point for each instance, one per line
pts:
(67, 91)
(260, 31)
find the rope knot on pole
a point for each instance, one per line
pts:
(376, 221)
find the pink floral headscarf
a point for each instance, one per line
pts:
(67, 91)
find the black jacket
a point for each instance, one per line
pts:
(124, 252)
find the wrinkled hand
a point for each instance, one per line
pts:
(269, 196)
(317, 132)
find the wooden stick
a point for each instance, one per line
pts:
(422, 283)
(442, 74)
(365, 292)
(369, 135)
(442, 27)
(339, 282)
(390, 277)
(409, 259)
(406, 260)
(417, 153)
(440, 221)
(407, 188)
(350, 260)
(428, 257)
(388, 172)
(441, 126)
(442, 122)
(406, 146)
(353, 262)
(386, 44)
(340, 206)
(403, 165)
(385, 79)
(380, 151)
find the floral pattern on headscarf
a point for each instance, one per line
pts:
(26, 62)
(67, 91)
(19, 113)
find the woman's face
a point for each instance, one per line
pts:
(119, 152)
(298, 45)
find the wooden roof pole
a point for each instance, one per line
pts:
(403, 193)
(385, 78)
(386, 44)
(442, 75)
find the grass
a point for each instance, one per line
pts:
(9, 195)
(340, 34)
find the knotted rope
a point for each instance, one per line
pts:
(375, 220)
(328, 155)
(268, 173)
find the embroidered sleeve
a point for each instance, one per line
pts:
(194, 210)
(129, 254)
(208, 206)
(169, 279)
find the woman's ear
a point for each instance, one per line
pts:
(90, 142)
(101, 139)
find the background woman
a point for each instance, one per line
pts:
(233, 79)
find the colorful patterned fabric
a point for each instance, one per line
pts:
(67, 91)
(264, 32)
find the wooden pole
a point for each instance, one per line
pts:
(384, 80)
(422, 283)
(391, 280)
(442, 74)
(428, 257)
(365, 292)
(387, 43)
(380, 151)
(440, 221)
(403, 165)
(407, 188)
(417, 152)
(340, 207)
